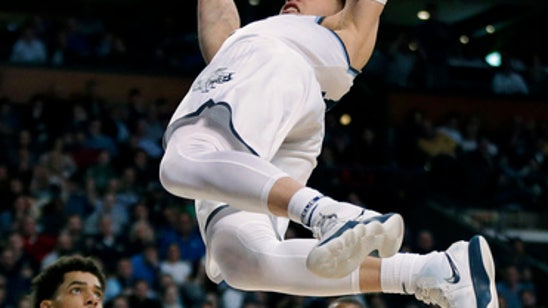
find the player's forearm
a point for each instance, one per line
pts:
(217, 19)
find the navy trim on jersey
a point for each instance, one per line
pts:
(352, 71)
(213, 214)
(210, 103)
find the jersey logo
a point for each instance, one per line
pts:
(218, 77)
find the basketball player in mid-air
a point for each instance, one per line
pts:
(244, 140)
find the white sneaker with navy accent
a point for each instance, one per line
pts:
(471, 279)
(345, 244)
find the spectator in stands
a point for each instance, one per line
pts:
(56, 160)
(141, 235)
(22, 206)
(116, 124)
(510, 287)
(52, 217)
(184, 232)
(528, 299)
(181, 270)
(29, 48)
(451, 127)
(78, 46)
(142, 296)
(63, 247)
(107, 245)
(146, 266)
(17, 246)
(101, 172)
(145, 168)
(96, 139)
(140, 211)
(120, 283)
(74, 226)
(107, 206)
(120, 301)
(18, 276)
(433, 143)
(171, 298)
(37, 245)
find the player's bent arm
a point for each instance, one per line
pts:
(357, 25)
(217, 19)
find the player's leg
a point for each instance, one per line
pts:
(197, 164)
(250, 256)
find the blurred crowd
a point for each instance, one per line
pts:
(78, 174)
(428, 56)
(97, 42)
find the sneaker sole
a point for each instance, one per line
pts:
(482, 271)
(341, 253)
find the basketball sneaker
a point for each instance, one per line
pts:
(461, 277)
(344, 244)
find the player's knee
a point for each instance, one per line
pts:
(252, 275)
(176, 176)
(240, 267)
(242, 276)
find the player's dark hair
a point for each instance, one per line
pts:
(46, 283)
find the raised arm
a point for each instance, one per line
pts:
(357, 25)
(217, 19)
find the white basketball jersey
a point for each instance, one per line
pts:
(321, 47)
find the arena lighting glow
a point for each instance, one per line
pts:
(423, 15)
(490, 29)
(464, 39)
(345, 119)
(413, 46)
(254, 2)
(493, 59)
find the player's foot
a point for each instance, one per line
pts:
(462, 276)
(345, 244)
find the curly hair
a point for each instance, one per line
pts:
(47, 282)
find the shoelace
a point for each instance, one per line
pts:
(325, 223)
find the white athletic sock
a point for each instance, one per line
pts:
(398, 273)
(383, 2)
(307, 204)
